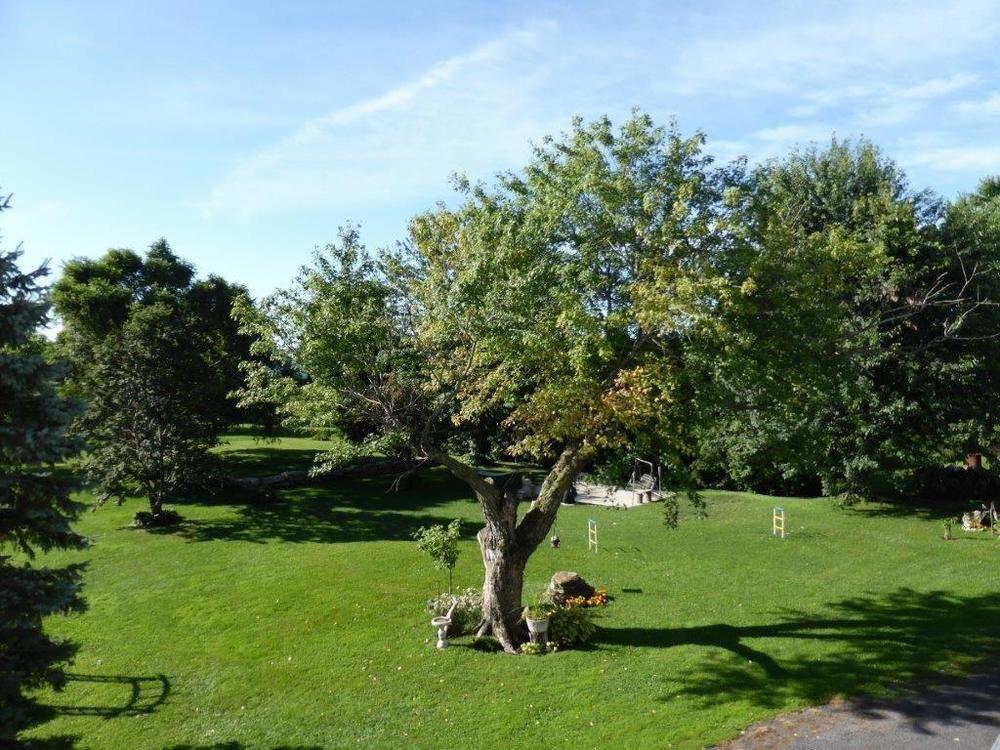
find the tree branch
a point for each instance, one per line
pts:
(539, 518)
(489, 494)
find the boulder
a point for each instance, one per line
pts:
(566, 584)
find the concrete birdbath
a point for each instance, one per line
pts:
(442, 623)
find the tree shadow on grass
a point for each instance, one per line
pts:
(239, 746)
(928, 510)
(872, 645)
(143, 696)
(266, 460)
(359, 510)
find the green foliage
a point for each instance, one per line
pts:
(671, 506)
(532, 649)
(145, 433)
(853, 384)
(949, 484)
(96, 299)
(441, 543)
(547, 307)
(570, 627)
(564, 286)
(538, 611)
(35, 507)
(335, 332)
(540, 607)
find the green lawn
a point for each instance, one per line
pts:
(300, 624)
(248, 455)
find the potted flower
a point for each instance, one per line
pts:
(537, 616)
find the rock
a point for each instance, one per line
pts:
(566, 584)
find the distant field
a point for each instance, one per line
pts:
(300, 624)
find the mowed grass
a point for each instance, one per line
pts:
(300, 623)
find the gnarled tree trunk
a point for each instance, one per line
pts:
(502, 589)
(506, 544)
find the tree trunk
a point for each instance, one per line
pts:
(156, 504)
(504, 578)
(507, 545)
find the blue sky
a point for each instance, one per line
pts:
(247, 132)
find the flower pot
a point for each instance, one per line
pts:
(537, 627)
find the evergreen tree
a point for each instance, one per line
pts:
(35, 507)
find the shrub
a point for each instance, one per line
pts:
(537, 611)
(571, 626)
(322, 433)
(467, 614)
(441, 543)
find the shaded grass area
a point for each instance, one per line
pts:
(247, 454)
(299, 623)
(363, 510)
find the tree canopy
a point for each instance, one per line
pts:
(855, 356)
(146, 432)
(804, 323)
(96, 298)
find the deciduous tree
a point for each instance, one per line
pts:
(146, 431)
(558, 298)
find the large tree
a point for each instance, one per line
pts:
(35, 506)
(972, 230)
(555, 301)
(147, 433)
(96, 298)
(850, 360)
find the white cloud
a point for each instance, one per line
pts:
(460, 113)
(977, 159)
(884, 104)
(984, 107)
(797, 51)
(938, 87)
(793, 133)
(847, 69)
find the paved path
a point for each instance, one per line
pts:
(963, 714)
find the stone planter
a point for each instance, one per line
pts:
(538, 629)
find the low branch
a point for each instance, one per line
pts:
(488, 494)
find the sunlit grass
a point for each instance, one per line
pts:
(300, 623)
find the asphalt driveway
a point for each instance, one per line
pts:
(961, 714)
